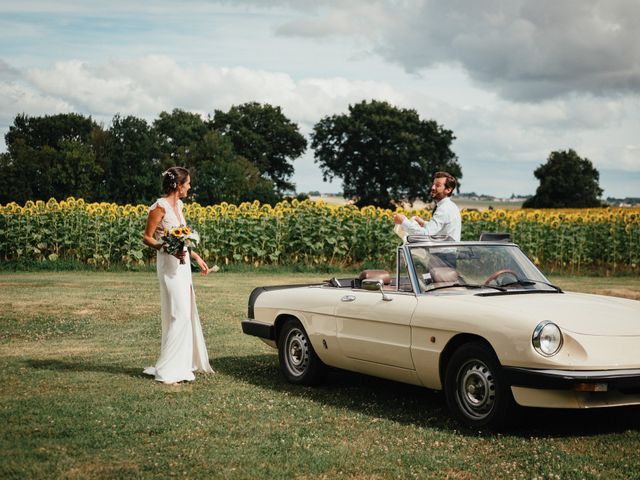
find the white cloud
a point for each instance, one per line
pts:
(630, 157)
(146, 86)
(151, 84)
(7, 72)
(92, 89)
(17, 98)
(525, 50)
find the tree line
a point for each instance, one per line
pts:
(242, 154)
(382, 153)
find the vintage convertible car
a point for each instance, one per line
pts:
(475, 319)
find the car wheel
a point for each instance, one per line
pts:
(475, 389)
(298, 360)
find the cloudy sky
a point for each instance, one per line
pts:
(513, 79)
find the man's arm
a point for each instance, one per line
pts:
(412, 227)
(435, 225)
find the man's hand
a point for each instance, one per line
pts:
(419, 220)
(398, 218)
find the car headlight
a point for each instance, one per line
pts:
(547, 338)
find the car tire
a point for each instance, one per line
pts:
(475, 390)
(298, 360)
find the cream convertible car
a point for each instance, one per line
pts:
(475, 319)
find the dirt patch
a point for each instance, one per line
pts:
(621, 292)
(39, 348)
(92, 470)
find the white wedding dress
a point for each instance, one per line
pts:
(183, 350)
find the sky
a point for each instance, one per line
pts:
(513, 79)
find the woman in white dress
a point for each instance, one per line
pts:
(183, 350)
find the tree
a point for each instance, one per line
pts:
(382, 153)
(50, 130)
(130, 162)
(220, 174)
(50, 156)
(266, 137)
(566, 181)
(177, 132)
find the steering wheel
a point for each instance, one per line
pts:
(498, 273)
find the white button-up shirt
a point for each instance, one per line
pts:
(445, 221)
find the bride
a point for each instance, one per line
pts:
(183, 350)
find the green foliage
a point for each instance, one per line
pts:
(264, 136)
(566, 181)
(57, 156)
(131, 163)
(48, 131)
(382, 153)
(48, 156)
(178, 130)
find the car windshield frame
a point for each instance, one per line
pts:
(468, 266)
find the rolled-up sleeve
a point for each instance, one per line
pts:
(412, 227)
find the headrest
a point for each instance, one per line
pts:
(443, 274)
(376, 275)
(495, 237)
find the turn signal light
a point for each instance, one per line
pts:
(591, 387)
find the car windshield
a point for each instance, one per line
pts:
(501, 268)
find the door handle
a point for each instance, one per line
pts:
(348, 298)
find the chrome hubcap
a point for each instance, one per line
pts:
(476, 389)
(297, 352)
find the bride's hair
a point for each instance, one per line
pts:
(172, 178)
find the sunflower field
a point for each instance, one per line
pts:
(309, 233)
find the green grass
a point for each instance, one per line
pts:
(74, 404)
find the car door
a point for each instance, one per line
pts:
(374, 330)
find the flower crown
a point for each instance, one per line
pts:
(171, 176)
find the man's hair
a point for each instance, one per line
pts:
(450, 181)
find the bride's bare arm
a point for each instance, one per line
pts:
(204, 268)
(153, 220)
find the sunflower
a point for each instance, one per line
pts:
(176, 232)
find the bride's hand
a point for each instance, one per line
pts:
(204, 268)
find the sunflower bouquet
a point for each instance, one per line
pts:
(177, 238)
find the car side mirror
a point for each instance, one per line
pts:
(376, 285)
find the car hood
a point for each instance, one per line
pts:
(576, 312)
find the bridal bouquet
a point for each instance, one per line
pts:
(177, 238)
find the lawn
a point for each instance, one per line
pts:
(74, 404)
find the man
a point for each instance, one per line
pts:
(446, 216)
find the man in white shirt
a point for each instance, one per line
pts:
(446, 218)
